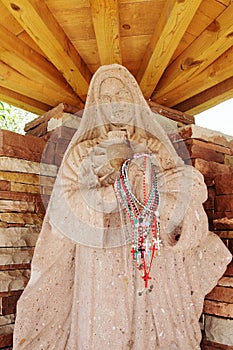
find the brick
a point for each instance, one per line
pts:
(21, 146)
(223, 224)
(26, 166)
(16, 256)
(219, 293)
(13, 280)
(20, 196)
(60, 151)
(229, 272)
(228, 160)
(225, 234)
(201, 150)
(6, 319)
(197, 132)
(226, 281)
(20, 177)
(48, 155)
(224, 184)
(8, 302)
(217, 308)
(18, 187)
(21, 218)
(16, 206)
(19, 236)
(224, 203)
(4, 185)
(6, 336)
(211, 169)
(209, 345)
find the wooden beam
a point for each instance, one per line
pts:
(218, 71)
(15, 81)
(106, 25)
(36, 18)
(208, 98)
(171, 113)
(174, 20)
(211, 44)
(22, 101)
(20, 56)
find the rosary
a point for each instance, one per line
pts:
(144, 217)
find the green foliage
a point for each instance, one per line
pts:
(14, 119)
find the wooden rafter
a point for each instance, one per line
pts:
(210, 45)
(22, 101)
(21, 57)
(208, 98)
(218, 71)
(106, 25)
(37, 20)
(15, 81)
(168, 32)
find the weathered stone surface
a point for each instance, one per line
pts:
(21, 218)
(224, 184)
(18, 187)
(8, 301)
(225, 234)
(220, 293)
(197, 132)
(222, 309)
(26, 166)
(16, 206)
(4, 185)
(219, 330)
(6, 318)
(13, 280)
(20, 177)
(15, 256)
(19, 196)
(211, 169)
(66, 120)
(223, 224)
(21, 146)
(228, 160)
(6, 336)
(19, 236)
(224, 203)
(198, 149)
(226, 282)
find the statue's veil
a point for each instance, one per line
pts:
(85, 216)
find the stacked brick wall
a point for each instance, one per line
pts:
(22, 180)
(212, 154)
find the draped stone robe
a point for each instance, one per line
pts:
(84, 291)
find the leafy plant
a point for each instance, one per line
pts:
(14, 119)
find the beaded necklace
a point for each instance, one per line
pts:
(144, 217)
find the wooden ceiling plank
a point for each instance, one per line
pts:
(106, 26)
(23, 102)
(208, 98)
(218, 71)
(18, 55)
(170, 28)
(36, 18)
(13, 80)
(212, 43)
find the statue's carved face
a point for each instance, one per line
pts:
(118, 101)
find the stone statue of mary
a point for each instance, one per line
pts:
(85, 290)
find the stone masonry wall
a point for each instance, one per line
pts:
(22, 180)
(212, 154)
